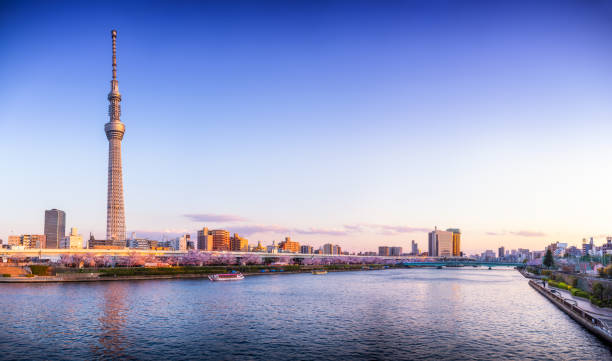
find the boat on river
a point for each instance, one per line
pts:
(226, 277)
(319, 272)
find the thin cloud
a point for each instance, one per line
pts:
(208, 217)
(529, 234)
(328, 232)
(495, 233)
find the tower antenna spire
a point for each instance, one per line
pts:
(114, 34)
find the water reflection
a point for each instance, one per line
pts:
(112, 338)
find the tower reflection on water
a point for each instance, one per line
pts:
(113, 336)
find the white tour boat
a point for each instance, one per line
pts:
(226, 277)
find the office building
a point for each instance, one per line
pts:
(72, 241)
(55, 227)
(205, 239)
(383, 251)
(440, 243)
(239, 244)
(180, 243)
(500, 252)
(395, 251)
(27, 241)
(142, 243)
(289, 246)
(221, 240)
(306, 249)
(456, 241)
(415, 248)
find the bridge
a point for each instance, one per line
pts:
(466, 263)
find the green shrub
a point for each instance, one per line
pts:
(6, 275)
(39, 270)
(560, 285)
(580, 293)
(29, 275)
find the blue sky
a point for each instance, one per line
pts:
(358, 123)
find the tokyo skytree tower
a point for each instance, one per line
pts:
(115, 214)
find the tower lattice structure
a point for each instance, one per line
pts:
(115, 212)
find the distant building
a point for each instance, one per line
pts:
(336, 249)
(488, 255)
(27, 241)
(440, 243)
(72, 241)
(104, 243)
(259, 247)
(239, 244)
(606, 248)
(14, 241)
(221, 240)
(180, 243)
(369, 254)
(205, 239)
(142, 243)
(587, 248)
(456, 241)
(289, 246)
(306, 249)
(415, 248)
(273, 248)
(501, 252)
(395, 251)
(383, 251)
(55, 227)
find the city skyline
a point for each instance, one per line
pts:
(237, 145)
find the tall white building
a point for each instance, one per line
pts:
(180, 243)
(440, 243)
(73, 241)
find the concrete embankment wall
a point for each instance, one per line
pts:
(575, 312)
(14, 271)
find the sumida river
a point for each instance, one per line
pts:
(396, 314)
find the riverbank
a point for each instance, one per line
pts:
(140, 274)
(587, 319)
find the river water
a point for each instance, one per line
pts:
(457, 314)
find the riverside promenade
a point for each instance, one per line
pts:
(594, 319)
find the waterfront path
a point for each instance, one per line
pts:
(604, 314)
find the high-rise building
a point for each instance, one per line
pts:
(114, 129)
(239, 244)
(180, 243)
(456, 241)
(415, 248)
(440, 243)
(306, 249)
(72, 241)
(501, 252)
(328, 248)
(221, 240)
(395, 251)
(383, 251)
(55, 227)
(205, 239)
(336, 249)
(289, 246)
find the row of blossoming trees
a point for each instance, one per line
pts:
(194, 258)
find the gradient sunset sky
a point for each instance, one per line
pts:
(361, 123)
